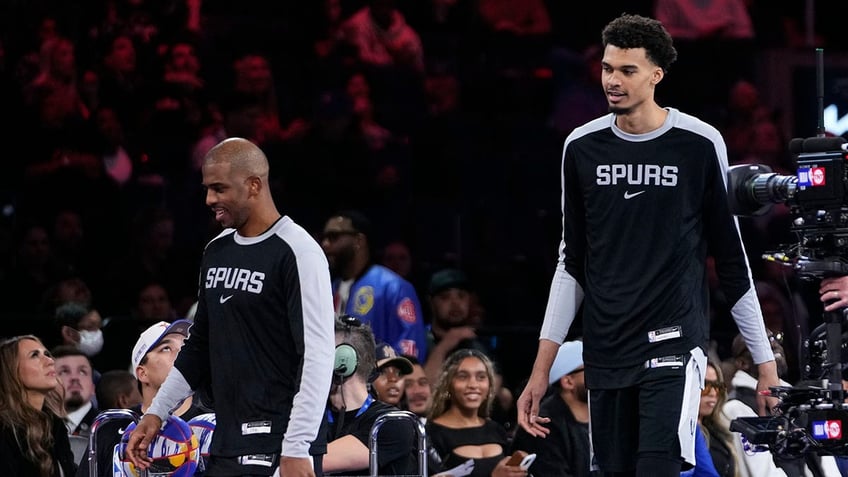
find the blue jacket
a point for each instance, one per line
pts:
(390, 305)
(704, 463)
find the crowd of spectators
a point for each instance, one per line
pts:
(443, 120)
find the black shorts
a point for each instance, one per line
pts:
(643, 410)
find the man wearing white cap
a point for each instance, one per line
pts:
(152, 358)
(565, 451)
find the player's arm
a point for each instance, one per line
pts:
(735, 278)
(566, 295)
(313, 326)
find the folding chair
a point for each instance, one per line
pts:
(422, 441)
(95, 426)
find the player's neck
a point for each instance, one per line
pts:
(644, 119)
(259, 222)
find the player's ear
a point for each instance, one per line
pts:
(254, 185)
(657, 75)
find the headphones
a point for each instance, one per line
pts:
(347, 360)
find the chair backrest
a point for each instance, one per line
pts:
(419, 428)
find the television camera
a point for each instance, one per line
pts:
(813, 417)
(817, 197)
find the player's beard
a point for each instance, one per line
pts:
(619, 111)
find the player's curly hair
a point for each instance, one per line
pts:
(636, 31)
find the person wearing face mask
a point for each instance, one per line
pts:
(80, 327)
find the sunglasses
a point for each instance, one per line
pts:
(710, 385)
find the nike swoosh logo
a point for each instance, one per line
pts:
(121, 431)
(224, 299)
(628, 195)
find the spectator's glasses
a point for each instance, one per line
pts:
(710, 384)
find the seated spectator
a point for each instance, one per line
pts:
(459, 429)
(152, 358)
(388, 385)
(518, 18)
(417, 392)
(368, 291)
(517, 33)
(74, 370)
(80, 327)
(564, 452)
(352, 411)
(33, 438)
(714, 425)
(453, 323)
(117, 389)
(382, 38)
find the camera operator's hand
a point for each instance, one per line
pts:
(767, 378)
(833, 291)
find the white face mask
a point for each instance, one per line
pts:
(91, 342)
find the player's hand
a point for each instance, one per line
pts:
(833, 292)
(528, 406)
(767, 378)
(140, 438)
(296, 467)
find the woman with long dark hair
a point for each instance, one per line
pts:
(33, 438)
(460, 429)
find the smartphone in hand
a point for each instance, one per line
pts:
(521, 459)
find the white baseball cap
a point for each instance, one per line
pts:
(153, 335)
(569, 358)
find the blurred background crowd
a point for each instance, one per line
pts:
(442, 120)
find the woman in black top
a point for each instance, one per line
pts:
(33, 438)
(459, 427)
